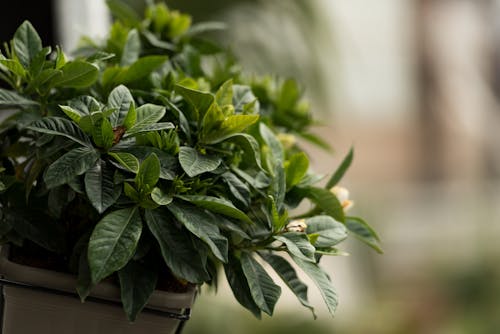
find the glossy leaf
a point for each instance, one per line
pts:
(217, 205)
(27, 43)
(14, 100)
(75, 162)
(148, 128)
(327, 202)
(322, 281)
(230, 126)
(132, 48)
(339, 173)
(137, 284)
(272, 142)
(146, 116)
(113, 242)
(126, 160)
(202, 225)
(149, 174)
(77, 74)
(296, 169)
(242, 96)
(61, 127)
(262, 287)
(224, 95)
(199, 100)
(364, 232)
(139, 69)
(330, 232)
(160, 197)
(14, 66)
(250, 147)
(240, 287)
(298, 245)
(74, 114)
(238, 188)
(100, 186)
(177, 250)
(195, 163)
(123, 12)
(121, 100)
(289, 276)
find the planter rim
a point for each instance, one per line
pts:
(39, 277)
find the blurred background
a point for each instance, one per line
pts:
(414, 85)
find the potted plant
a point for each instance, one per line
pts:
(135, 171)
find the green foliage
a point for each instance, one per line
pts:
(149, 152)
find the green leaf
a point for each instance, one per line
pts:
(103, 134)
(84, 281)
(132, 48)
(74, 163)
(137, 284)
(262, 287)
(139, 69)
(74, 114)
(242, 96)
(274, 145)
(230, 126)
(14, 66)
(315, 140)
(224, 95)
(298, 245)
(127, 160)
(200, 101)
(130, 192)
(364, 232)
(195, 163)
(122, 101)
(123, 12)
(113, 242)
(77, 74)
(148, 128)
(100, 186)
(327, 202)
(250, 147)
(61, 127)
(27, 43)
(177, 250)
(9, 99)
(217, 205)
(149, 174)
(38, 61)
(161, 198)
(212, 120)
(320, 278)
(331, 252)
(60, 58)
(131, 117)
(85, 104)
(330, 232)
(289, 276)
(296, 169)
(238, 189)
(239, 285)
(202, 225)
(146, 116)
(339, 173)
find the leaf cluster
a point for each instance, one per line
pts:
(150, 152)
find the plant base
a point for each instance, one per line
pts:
(42, 301)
